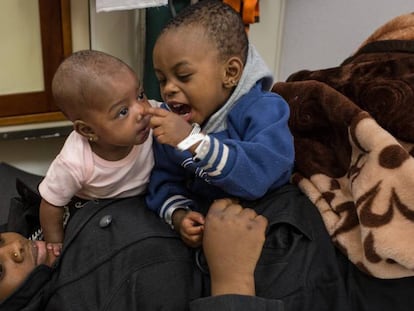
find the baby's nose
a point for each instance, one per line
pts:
(144, 110)
(144, 113)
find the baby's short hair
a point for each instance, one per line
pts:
(223, 25)
(74, 77)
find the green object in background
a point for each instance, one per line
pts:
(156, 18)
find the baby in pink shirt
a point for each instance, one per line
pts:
(109, 153)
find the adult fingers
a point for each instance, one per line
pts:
(248, 213)
(261, 220)
(251, 214)
(223, 204)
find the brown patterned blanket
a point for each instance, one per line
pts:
(353, 127)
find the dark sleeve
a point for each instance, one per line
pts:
(236, 303)
(167, 186)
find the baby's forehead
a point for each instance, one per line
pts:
(108, 76)
(104, 69)
(187, 34)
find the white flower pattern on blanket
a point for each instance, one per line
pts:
(370, 212)
(353, 127)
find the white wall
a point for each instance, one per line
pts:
(322, 33)
(119, 33)
(266, 35)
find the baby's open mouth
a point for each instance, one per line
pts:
(180, 109)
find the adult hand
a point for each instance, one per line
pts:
(168, 127)
(233, 240)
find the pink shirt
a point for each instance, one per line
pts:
(78, 171)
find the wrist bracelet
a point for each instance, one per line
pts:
(189, 141)
(196, 128)
(194, 137)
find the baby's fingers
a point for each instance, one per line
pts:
(195, 230)
(193, 240)
(157, 112)
(56, 248)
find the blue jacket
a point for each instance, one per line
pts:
(252, 155)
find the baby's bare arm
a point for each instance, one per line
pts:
(51, 221)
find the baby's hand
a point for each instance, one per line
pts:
(168, 127)
(191, 229)
(55, 247)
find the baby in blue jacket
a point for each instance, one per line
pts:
(219, 132)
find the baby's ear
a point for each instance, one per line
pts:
(84, 129)
(234, 70)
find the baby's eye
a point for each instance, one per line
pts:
(141, 96)
(184, 77)
(123, 112)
